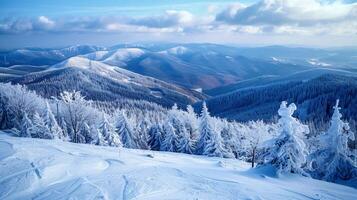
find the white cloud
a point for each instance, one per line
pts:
(304, 17)
(281, 12)
(46, 21)
(169, 19)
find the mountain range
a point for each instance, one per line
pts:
(229, 78)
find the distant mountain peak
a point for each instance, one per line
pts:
(178, 50)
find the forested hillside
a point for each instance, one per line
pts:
(314, 99)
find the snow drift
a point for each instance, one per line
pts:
(50, 169)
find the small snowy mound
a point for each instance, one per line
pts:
(49, 169)
(179, 50)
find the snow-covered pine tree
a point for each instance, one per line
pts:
(185, 143)
(155, 133)
(141, 134)
(331, 160)
(52, 124)
(26, 126)
(288, 153)
(169, 138)
(97, 137)
(172, 129)
(62, 123)
(124, 129)
(40, 130)
(230, 140)
(108, 132)
(86, 133)
(206, 130)
(191, 124)
(175, 117)
(214, 146)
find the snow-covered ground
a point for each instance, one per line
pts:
(47, 169)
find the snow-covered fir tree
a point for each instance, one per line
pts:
(107, 131)
(191, 122)
(230, 139)
(169, 141)
(40, 129)
(206, 130)
(141, 134)
(97, 137)
(127, 135)
(175, 117)
(155, 134)
(172, 130)
(185, 143)
(86, 133)
(62, 123)
(288, 151)
(26, 129)
(52, 124)
(332, 161)
(214, 146)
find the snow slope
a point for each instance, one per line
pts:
(102, 82)
(47, 169)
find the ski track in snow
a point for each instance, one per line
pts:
(47, 169)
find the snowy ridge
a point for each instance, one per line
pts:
(117, 57)
(50, 169)
(134, 82)
(125, 54)
(94, 66)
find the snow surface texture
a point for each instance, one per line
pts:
(50, 169)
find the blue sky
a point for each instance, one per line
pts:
(98, 7)
(48, 23)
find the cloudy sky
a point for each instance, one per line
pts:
(44, 23)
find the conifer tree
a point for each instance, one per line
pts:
(97, 137)
(288, 153)
(229, 140)
(52, 124)
(108, 132)
(206, 130)
(127, 135)
(40, 130)
(155, 134)
(185, 144)
(214, 147)
(169, 141)
(26, 126)
(332, 161)
(86, 133)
